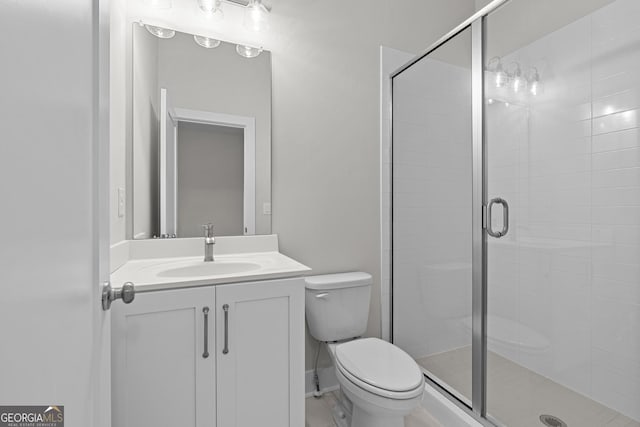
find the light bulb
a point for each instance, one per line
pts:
(206, 42)
(256, 16)
(248, 51)
(159, 4)
(213, 8)
(162, 33)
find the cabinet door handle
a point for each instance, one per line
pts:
(205, 310)
(225, 350)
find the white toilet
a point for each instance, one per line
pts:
(379, 382)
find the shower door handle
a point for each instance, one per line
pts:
(505, 224)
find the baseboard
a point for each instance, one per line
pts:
(328, 381)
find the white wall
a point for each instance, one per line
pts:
(118, 115)
(568, 161)
(326, 155)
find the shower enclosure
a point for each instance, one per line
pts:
(516, 213)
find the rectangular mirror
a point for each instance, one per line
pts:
(201, 143)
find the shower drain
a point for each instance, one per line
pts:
(551, 421)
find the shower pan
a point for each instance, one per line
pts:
(515, 238)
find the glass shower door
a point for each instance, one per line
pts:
(516, 213)
(432, 219)
(562, 147)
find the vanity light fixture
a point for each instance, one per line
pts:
(206, 42)
(256, 16)
(162, 33)
(159, 4)
(213, 8)
(248, 51)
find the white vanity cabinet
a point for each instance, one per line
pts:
(170, 367)
(260, 354)
(160, 375)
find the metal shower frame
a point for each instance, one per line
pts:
(477, 24)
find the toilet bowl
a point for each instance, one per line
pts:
(380, 384)
(381, 381)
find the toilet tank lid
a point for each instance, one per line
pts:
(338, 280)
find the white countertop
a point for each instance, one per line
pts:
(147, 274)
(157, 265)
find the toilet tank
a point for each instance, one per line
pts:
(337, 305)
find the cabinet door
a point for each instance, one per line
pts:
(162, 376)
(261, 375)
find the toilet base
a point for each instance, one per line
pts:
(341, 412)
(347, 414)
(363, 418)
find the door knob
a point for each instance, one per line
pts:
(127, 294)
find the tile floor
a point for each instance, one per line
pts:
(319, 413)
(518, 396)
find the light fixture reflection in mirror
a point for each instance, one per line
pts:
(163, 33)
(256, 16)
(206, 42)
(248, 51)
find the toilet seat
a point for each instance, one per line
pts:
(380, 368)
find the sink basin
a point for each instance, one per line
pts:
(201, 268)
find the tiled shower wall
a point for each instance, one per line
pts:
(565, 283)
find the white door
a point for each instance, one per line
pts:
(163, 359)
(260, 354)
(172, 175)
(54, 185)
(168, 166)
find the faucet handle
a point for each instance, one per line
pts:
(208, 229)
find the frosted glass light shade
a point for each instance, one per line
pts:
(248, 51)
(256, 16)
(163, 33)
(159, 4)
(206, 42)
(213, 8)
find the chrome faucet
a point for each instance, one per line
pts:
(209, 241)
